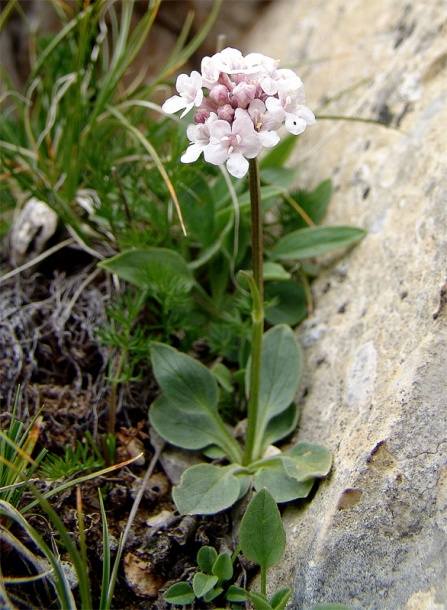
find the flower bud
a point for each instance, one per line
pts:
(226, 113)
(219, 94)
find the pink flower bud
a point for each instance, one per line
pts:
(226, 113)
(243, 94)
(219, 94)
(201, 115)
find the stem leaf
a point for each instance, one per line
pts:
(314, 241)
(261, 536)
(280, 375)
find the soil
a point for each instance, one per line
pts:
(51, 360)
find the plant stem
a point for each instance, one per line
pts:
(257, 252)
(263, 581)
(258, 310)
(114, 393)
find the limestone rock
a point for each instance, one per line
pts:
(375, 534)
(32, 229)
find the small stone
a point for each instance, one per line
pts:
(32, 229)
(141, 578)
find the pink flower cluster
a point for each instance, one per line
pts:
(248, 100)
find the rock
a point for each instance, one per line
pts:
(141, 577)
(375, 534)
(33, 228)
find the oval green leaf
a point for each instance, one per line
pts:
(259, 601)
(223, 567)
(280, 598)
(186, 381)
(142, 266)
(181, 593)
(236, 594)
(206, 489)
(313, 241)
(261, 536)
(280, 426)
(280, 375)
(206, 557)
(275, 271)
(307, 461)
(189, 430)
(202, 583)
(290, 306)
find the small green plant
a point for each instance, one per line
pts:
(187, 415)
(85, 456)
(262, 539)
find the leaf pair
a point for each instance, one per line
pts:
(186, 413)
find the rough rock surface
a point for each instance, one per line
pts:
(375, 534)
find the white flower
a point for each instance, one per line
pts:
(297, 122)
(282, 80)
(264, 122)
(230, 61)
(288, 109)
(210, 71)
(199, 135)
(233, 144)
(191, 94)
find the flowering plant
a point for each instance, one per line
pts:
(248, 100)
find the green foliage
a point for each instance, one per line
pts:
(262, 540)
(314, 241)
(261, 536)
(187, 415)
(47, 565)
(85, 456)
(76, 120)
(17, 467)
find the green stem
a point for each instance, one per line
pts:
(257, 312)
(263, 581)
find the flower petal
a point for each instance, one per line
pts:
(237, 165)
(174, 104)
(192, 153)
(215, 153)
